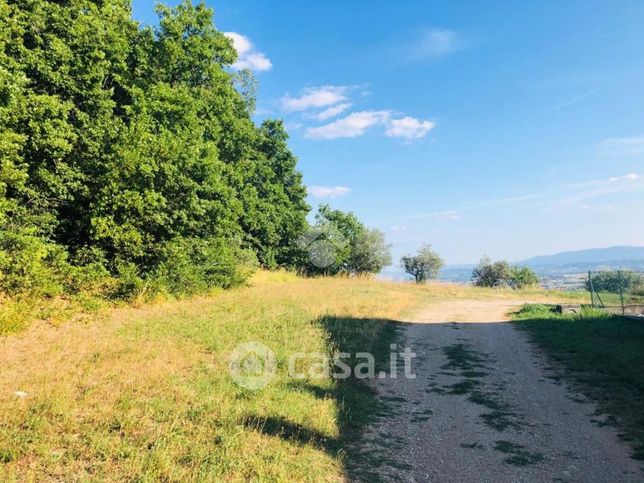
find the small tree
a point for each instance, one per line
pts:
(424, 265)
(491, 274)
(369, 252)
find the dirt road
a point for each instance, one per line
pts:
(485, 406)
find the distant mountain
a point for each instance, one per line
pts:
(592, 256)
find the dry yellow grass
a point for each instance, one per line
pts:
(144, 393)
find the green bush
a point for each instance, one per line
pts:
(29, 264)
(502, 274)
(522, 277)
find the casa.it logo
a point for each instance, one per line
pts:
(252, 365)
(322, 245)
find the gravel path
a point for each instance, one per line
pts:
(485, 407)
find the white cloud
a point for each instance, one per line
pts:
(622, 146)
(328, 191)
(626, 177)
(351, 126)
(408, 128)
(248, 57)
(446, 215)
(292, 126)
(315, 97)
(434, 43)
(333, 111)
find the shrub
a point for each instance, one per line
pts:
(491, 274)
(30, 264)
(502, 274)
(522, 277)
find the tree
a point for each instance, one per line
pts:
(424, 265)
(133, 150)
(502, 274)
(339, 242)
(369, 252)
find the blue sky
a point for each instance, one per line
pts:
(510, 129)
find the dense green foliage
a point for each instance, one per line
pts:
(340, 243)
(502, 274)
(424, 265)
(630, 282)
(129, 160)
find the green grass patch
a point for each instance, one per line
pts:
(603, 354)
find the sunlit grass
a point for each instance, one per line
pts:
(144, 393)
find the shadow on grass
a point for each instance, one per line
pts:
(356, 399)
(289, 431)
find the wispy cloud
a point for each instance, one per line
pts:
(434, 43)
(604, 181)
(327, 191)
(248, 57)
(570, 195)
(351, 126)
(568, 102)
(622, 146)
(584, 191)
(333, 111)
(449, 215)
(408, 128)
(315, 97)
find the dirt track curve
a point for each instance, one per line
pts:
(485, 406)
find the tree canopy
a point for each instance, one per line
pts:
(129, 150)
(340, 243)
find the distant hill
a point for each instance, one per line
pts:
(590, 256)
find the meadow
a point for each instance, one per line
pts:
(143, 392)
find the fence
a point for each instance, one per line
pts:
(617, 291)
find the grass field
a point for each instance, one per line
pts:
(144, 394)
(604, 355)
